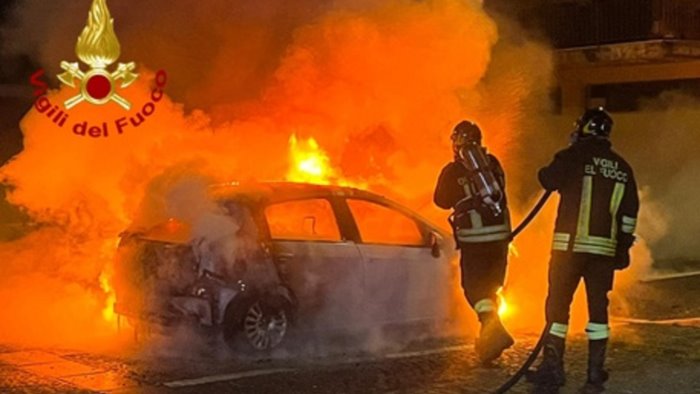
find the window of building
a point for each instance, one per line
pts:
(303, 220)
(382, 225)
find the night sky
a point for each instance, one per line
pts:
(11, 111)
(12, 72)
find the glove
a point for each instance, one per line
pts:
(622, 258)
(622, 255)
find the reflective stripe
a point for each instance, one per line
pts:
(597, 250)
(584, 213)
(479, 233)
(595, 245)
(595, 241)
(597, 331)
(560, 246)
(615, 201)
(586, 243)
(467, 189)
(483, 230)
(596, 327)
(483, 238)
(596, 336)
(561, 242)
(559, 330)
(563, 237)
(629, 220)
(485, 305)
(629, 224)
(476, 219)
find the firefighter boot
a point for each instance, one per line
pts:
(597, 375)
(550, 372)
(493, 338)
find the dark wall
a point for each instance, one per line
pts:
(14, 71)
(598, 21)
(573, 23)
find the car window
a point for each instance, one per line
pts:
(305, 220)
(382, 225)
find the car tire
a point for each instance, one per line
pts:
(257, 325)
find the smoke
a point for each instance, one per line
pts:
(379, 84)
(661, 142)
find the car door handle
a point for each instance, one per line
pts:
(284, 256)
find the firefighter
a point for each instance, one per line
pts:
(593, 235)
(473, 186)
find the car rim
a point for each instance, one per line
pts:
(264, 330)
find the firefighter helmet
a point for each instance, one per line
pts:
(595, 122)
(466, 132)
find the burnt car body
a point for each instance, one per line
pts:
(327, 257)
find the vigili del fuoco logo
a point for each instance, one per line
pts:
(100, 83)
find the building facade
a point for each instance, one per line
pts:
(615, 53)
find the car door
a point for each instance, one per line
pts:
(322, 267)
(404, 281)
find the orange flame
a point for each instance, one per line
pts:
(513, 250)
(503, 309)
(108, 310)
(309, 163)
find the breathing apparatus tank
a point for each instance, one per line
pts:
(482, 176)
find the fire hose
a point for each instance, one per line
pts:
(535, 210)
(538, 346)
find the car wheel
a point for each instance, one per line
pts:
(260, 325)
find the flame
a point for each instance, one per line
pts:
(309, 163)
(366, 77)
(503, 309)
(108, 313)
(98, 45)
(513, 250)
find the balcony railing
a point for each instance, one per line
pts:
(574, 23)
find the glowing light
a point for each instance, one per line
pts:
(309, 163)
(503, 309)
(513, 250)
(108, 310)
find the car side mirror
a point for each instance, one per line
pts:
(435, 245)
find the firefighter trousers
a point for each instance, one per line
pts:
(565, 272)
(483, 271)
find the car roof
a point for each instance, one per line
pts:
(285, 191)
(273, 192)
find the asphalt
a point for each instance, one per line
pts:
(655, 350)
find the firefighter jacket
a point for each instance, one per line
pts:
(472, 221)
(599, 201)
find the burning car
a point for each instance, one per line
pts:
(328, 257)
